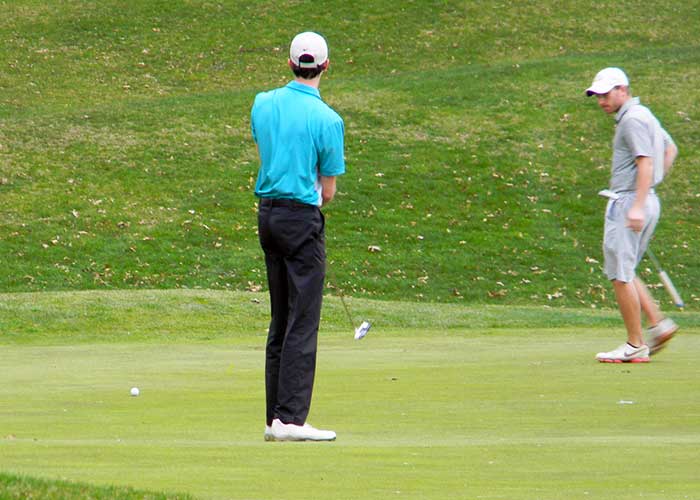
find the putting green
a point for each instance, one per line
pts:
(495, 414)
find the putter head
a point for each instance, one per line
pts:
(362, 330)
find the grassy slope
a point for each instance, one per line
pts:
(473, 157)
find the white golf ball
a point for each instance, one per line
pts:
(134, 391)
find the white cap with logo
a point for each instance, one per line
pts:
(308, 50)
(606, 80)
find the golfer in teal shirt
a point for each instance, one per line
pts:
(300, 143)
(300, 140)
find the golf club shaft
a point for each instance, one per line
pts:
(342, 298)
(666, 280)
(347, 311)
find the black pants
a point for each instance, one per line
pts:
(292, 237)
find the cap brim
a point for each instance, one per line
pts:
(599, 89)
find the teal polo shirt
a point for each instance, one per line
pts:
(299, 138)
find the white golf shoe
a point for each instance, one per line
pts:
(292, 432)
(268, 434)
(625, 354)
(659, 335)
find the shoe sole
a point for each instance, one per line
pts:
(297, 440)
(269, 437)
(633, 360)
(662, 340)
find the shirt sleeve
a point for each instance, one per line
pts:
(638, 138)
(668, 140)
(332, 149)
(252, 123)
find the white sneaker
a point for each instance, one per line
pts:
(659, 335)
(292, 432)
(268, 434)
(625, 354)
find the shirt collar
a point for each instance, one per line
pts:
(625, 108)
(307, 89)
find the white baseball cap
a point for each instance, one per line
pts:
(308, 44)
(606, 80)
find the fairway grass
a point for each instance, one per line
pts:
(441, 412)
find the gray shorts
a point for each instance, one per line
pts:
(622, 247)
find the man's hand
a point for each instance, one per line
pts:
(635, 218)
(645, 171)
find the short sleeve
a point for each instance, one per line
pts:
(668, 140)
(252, 121)
(332, 149)
(637, 137)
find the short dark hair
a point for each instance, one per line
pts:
(308, 73)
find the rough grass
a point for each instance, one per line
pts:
(473, 156)
(16, 487)
(177, 316)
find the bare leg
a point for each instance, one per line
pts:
(629, 303)
(646, 301)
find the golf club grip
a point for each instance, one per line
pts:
(668, 284)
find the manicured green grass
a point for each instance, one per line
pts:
(488, 402)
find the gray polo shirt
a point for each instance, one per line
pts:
(638, 133)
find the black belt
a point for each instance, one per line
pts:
(283, 202)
